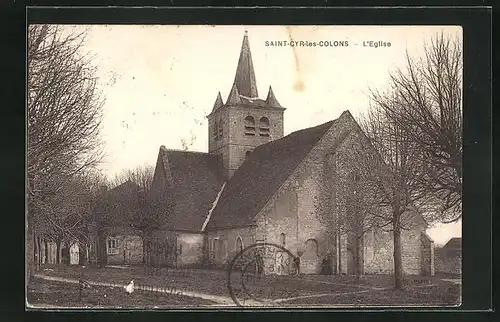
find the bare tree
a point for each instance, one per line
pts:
(140, 175)
(397, 179)
(363, 212)
(425, 102)
(64, 105)
(64, 116)
(63, 124)
(139, 216)
(63, 213)
(349, 198)
(135, 205)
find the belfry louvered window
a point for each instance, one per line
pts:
(215, 130)
(220, 130)
(249, 125)
(264, 126)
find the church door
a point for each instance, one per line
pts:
(309, 261)
(215, 249)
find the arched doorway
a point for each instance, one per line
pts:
(309, 261)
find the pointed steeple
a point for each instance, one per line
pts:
(271, 99)
(218, 103)
(245, 75)
(234, 96)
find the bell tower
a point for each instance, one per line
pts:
(244, 121)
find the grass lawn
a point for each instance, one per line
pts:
(67, 295)
(442, 295)
(206, 281)
(373, 290)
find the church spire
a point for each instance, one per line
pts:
(234, 96)
(245, 75)
(271, 99)
(218, 102)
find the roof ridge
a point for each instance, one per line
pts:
(185, 151)
(265, 200)
(295, 132)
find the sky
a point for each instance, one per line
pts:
(161, 81)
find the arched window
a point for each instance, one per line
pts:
(264, 126)
(247, 154)
(282, 239)
(239, 244)
(249, 125)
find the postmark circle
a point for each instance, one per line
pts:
(254, 274)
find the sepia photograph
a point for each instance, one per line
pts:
(229, 166)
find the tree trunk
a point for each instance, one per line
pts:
(398, 265)
(82, 254)
(38, 253)
(335, 259)
(58, 252)
(339, 247)
(101, 248)
(359, 261)
(143, 236)
(31, 252)
(46, 252)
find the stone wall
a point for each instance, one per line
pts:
(221, 245)
(411, 251)
(302, 210)
(379, 252)
(234, 144)
(175, 249)
(428, 267)
(291, 217)
(310, 217)
(415, 250)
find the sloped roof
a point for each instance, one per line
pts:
(111, 212)
(196, 180)
(271, 99)
(245, 74)
(125, 186)
(454, 243)
(260, 176)
(126, 189)
(218, 103)
(234, 96)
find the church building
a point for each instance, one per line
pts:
(257, 185)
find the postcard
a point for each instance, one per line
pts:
(196, 166)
